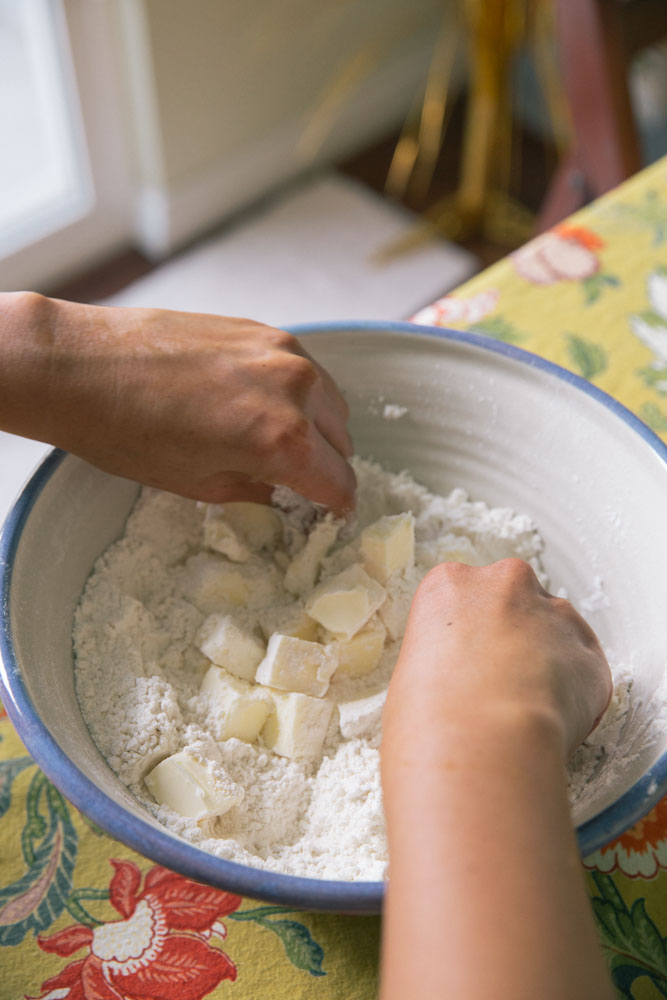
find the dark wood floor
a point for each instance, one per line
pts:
(532, 171)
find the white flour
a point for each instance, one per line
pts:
(138, 674)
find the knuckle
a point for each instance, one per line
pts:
(517, 569)
(442, 577)
(299, 373)
(281, 339)
(289, 436)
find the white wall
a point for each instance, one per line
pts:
(231, 97)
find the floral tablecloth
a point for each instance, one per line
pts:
(84, 918)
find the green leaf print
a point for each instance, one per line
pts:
(652, 415)
(9, 769)
(79, 912)
(587, 358)
(633, 945)
(651, 213)
(49, 843)
(654, 377)
(302, 951)
(595, 285)
(498, 328)
(300, 947)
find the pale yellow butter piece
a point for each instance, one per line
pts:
(362, 716)
(289, 619)
(228, 645)
(239, 528)
(240, 709)
(388, 546)
(301, 573)
(395, 610)
(345, 602)
(189, 788)
(450, 548)
(361, 654)
(297, 726)
(211, 583)
(293, 664)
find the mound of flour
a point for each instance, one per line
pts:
(138, 674)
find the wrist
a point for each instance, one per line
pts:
(464, 734)
(38, 354)
(25, 336)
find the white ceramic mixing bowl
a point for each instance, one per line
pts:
(511, 428)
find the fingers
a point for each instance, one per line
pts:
(335, 432)
(330, 413)
(324, 476)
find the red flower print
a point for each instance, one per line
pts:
(640, 852)
(584, 237)
(158, 950)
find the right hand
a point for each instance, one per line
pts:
(211, 407)
(491, 639)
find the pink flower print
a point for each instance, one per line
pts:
(453, 309)
(565, 253)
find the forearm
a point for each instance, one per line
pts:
(26, 345)
(486, 895)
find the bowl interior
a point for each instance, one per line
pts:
(509, 431)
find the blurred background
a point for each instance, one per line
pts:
(291, 160)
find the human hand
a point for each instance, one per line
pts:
(210, 407)
(496, 683)
(490, 639)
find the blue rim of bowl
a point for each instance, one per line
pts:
(154, 843)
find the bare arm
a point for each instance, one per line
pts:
(496, 684)
(207, 406)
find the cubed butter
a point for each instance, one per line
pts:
(192, 789)
(229, 645)
(239, 528)
(301, 573)
(344, 603)
(293, 664)
(361, 717)
(388, 546)
(395, 610)
(211, 583)
(289, 619)
(361, 654)
(450, 548)
(240, 709)
(297, 726)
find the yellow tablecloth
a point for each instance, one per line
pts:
(84, 918)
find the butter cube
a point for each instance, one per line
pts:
(238, 528)
(361, 717)
(361, 654)
(302, 572)
(395, 610)
(297, 726)
(240, 708)
(294, 664)
(230, 646)
(388, 546)
(344, 603)
(289, 619)
(451, 548)
(192, 789)
(211, 583)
